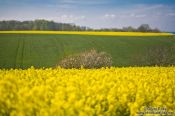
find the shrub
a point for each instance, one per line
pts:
(88, 59)
(155, 56)
(161, 56)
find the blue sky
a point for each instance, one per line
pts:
(94, 13)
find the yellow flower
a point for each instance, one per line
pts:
(105, 92)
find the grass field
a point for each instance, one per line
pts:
(46, 50)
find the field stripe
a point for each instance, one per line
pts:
(16, 56)
(23, 52)
(89, 33)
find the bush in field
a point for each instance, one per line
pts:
(88, 59)
(161, 56)
(156, 56)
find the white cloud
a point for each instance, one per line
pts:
(160, 16)
(69, 18)
(110, 16)
(140, 16)
(171, 14)
(137, 15)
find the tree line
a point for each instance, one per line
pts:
(51, 25)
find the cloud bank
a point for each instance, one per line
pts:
(92, 13)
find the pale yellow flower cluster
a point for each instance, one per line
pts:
(86, 92)
(89, 33)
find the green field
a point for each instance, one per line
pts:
(26, 50)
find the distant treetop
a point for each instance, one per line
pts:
(51, 25)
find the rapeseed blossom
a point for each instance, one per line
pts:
(89, 33)
(86, 92)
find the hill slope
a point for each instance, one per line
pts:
(39, 50)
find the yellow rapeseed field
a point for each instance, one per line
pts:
(89, 33)
(87, 92)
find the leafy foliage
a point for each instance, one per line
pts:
(51, 25)
(161, 55)
(157, 55)
(38, 25)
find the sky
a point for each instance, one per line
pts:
(94, 13)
